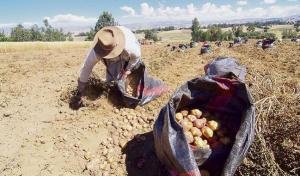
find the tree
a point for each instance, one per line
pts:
(195, 28)
(3, 37)
(36, 33)
(251, 28)
(289, 33)
(266, 28)
(20, 34)
(105, 19)
(90, 35)
(69, 36)
(46, 23)
(151, 35)
(237, 30)
(297, 26)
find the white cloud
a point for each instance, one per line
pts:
(209, 11)
(269, 1)
(147, 10)
(242, 3)
(64, 20)
(128, 10)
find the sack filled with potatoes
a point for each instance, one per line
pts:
(200, 131)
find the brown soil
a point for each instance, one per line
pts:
(42, 135)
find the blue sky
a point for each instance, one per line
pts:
(83, 13)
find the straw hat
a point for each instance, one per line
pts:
(109, 42)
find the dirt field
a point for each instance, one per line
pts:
(41, 135)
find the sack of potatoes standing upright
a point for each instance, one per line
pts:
(207, 126)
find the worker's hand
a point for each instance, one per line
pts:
(126, 73)
(81, 87)
(76, 102)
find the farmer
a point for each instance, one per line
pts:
(118, 49)
(206, 44)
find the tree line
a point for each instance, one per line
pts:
(167, 28)
(260, 25)
(36, 33)
(212, 33)
(215, 33)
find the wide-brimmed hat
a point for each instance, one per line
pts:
(109, 42)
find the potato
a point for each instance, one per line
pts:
(206, 146)
(200, 123)
(186, 124)
(196, 112)
(190, 125)
(204, 173)
(184, 120)
(199, 142)
(225, 140)
(178, 116)
(207, 132)
(213, 125)
(189, 137)
(192, 118)
(184, 113)
(196, 131)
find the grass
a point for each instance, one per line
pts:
(9, 47)
(175, 35)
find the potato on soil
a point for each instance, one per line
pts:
(200, 123)
(189, 137)
(178, 116)
(192, 118)
(207, 132)
(213, 125)
(196, 131)
(196, 112)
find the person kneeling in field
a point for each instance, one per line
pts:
(118, 49)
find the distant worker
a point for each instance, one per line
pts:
(268, 43)
(118, 49)
(238, 40)
(206, 44)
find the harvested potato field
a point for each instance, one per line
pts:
(42, 135)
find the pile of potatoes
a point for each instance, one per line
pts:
(199, 131)
(132, 82)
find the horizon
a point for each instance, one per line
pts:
(81, 15)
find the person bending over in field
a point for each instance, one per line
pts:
(118, 49)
